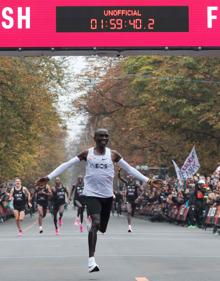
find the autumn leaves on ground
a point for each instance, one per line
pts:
(156, 108)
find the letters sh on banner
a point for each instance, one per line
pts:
(109, 23)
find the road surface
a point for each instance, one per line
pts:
(153, 252)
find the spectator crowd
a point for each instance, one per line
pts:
(193, 203)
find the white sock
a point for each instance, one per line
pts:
(91, 261)
(40, 228)
(129, 226)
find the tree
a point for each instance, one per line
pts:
(157, 108)
(29, 121)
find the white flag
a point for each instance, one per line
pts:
(178, 171)
(191, 165)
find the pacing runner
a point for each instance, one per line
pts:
(131, 193)
(118, 202)
(20, 195)
(59, 193)
(42, 194)
(98, 190)
(78, 201)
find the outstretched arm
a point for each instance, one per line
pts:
(116, 157)
(64, 166)
(132, 171)
(60, 169)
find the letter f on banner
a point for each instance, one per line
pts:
(210, 16)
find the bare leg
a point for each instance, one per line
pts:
(79, 206)
(129, 213)
(92, 237)
(18, 218)
(40, 215)
(81, 213)
(61, 210)
(55, 211)
(18, 224)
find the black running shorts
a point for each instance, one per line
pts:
(99, 206)
(19, 208)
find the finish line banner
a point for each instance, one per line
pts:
(111, 23)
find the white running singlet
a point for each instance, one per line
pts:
(99, 175)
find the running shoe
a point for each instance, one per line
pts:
(129, 229)
(192, 226)
(81, 228)
(214, 230)
(93, 267)
(57, 231)
(77, 221)
(40, 230)
(20, 233)
(60, 222)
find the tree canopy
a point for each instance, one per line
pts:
(31, 131)
(156, 108)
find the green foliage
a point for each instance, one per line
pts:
(29, 122)
(163, 106)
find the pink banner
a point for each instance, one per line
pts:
(33, 24)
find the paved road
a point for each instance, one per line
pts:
(154, 251)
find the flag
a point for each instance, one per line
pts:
(177, 170)
(191, 165)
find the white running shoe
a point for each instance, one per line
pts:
(40, 229)
(129, 228)
(93, 268)
(92, 265)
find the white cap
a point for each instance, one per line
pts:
(201, 181)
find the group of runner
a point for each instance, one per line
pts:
(58, 196)
(22, 197)
(95, 191)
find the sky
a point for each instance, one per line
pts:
(74, 123)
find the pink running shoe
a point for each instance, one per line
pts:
(81, 228)
(60, 222)
(77, 221)
(20, 232)
(57, 231)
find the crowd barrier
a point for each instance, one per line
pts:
(179, 213)
(213, 216)
(6, 211)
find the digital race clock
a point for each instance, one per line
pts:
(122, 19)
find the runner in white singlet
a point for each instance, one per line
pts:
(98, 189)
